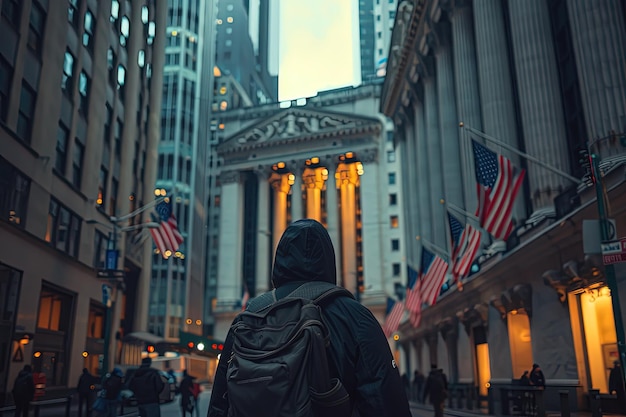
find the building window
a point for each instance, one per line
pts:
(111, 60)
(26, 113)
(99, 249)
(60, 161)
(391, 156)
(14, 189)
(115, 11)
(11, 10)
(90, 29)
(121, 79)
(396, 270)
(72, 12)
(124, 30)
(394, 222)
(102, 186)
(63, 228)
(113, 199)
(6, 75)
(77, 163)
(395, 245)
(83, 89)
(393, 199)
(392, 178)
(36, 27)
(68, 73)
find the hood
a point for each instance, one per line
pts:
(304, 253)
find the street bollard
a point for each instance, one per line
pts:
(564, 396)
(594, 403)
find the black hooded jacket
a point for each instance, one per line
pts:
(359, 349)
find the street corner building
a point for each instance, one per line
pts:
(539, 86)
(80, 83)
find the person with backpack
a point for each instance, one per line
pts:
(146, 384)
(264, 369)
(23, 391)
(85, 389)
(436, 389)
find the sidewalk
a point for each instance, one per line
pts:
(426, 410)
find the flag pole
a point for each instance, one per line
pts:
(520, 153)
(434, 247)
(463, 212)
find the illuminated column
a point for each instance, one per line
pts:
(314, 178)
(281, 181)
(332, 216)
(296, 196)
(264, 254)
(231, 248)
(347, 178)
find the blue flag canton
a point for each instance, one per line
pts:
(456, 228)
(164, 209)
(412, 275)
(427, 259)
(390, 304)
(486, 165)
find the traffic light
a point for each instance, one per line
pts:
(585, 159)
(150, 349)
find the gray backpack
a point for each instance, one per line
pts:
(278, 365)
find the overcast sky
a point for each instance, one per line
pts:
(318, 48)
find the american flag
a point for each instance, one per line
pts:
(414, 297)
(395, 311)
(497, 183)
(166, 236)
(465, 245)
(433, 273)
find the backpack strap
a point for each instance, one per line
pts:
(319, 291)
(260, 302)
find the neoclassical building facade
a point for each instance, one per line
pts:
(544, 78)
(332, 160)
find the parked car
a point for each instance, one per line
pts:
(167, 395)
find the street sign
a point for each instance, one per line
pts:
(614, 252)
(111, 259)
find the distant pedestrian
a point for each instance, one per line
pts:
(616, 384)
(86, 390)
(524, 379)
(23, 391)
(147, 385)
(536, 377)
(187, 399)
(418, 385)
(112, 386)
(436, 389)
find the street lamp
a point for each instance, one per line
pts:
(111, 266)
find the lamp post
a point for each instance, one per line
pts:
(111, 267)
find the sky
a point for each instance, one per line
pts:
(318, 47)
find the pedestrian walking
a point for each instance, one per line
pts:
(418, 385)
(616, 385)
(359, 353)
(146, 384)
(112, 386)
(187, 399)
(436, 389)
(23, 391)
(86, 391)
(536, 377)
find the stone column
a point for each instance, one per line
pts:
(264, 254)
(281, 188)
(332, 214)
(373, 222)
(296, 195)
(599, 51)
(423, 176)
(230, 234)
(409, 197)
(540, 100)
(347, 182)
(448, 120)
(494, 74)
(314, 182)
(435, 175)
(467, 93)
